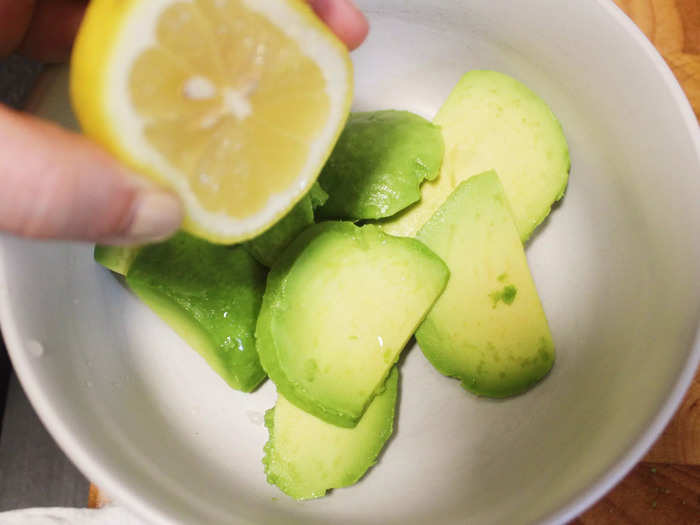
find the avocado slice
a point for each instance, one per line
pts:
(306, 456)
(270, 244)
(488, 328)
(116, 258)
(491, 121)
(318, 195)
(379, 163)
(340, 304)
(210, 295)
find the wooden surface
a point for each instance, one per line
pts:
(664, 489)
(673, 26)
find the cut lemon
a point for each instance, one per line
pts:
(233, 104)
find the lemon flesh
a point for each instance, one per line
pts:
(234, 104)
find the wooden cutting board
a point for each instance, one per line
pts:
(673, 26)
(664, 489)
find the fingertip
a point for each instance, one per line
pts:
(344, 19)
(154, 216)
(357, 33)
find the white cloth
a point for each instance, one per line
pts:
(109, 515)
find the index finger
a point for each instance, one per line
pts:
(344, 19)
(44, 29)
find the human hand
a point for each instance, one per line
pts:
(60, 185)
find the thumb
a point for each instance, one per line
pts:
(59, 185)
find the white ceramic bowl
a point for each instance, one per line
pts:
(616, 267)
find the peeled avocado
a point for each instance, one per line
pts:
(305, 456)
(267, 246)
(488, 328)
(491, 121)
(318, 196)
(116, 258)
(210, 295)
(340, 304)
(379, 163)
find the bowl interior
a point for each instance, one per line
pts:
(615, 266)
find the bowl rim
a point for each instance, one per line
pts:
(637, 449)
(96, 471)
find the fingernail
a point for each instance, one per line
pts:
(156, 216)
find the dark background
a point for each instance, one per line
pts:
(33, 470)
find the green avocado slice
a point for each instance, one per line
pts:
(379, 163)
(318, 195)
(270, 244)
(488, 328)
(491, 121)
(340, 304)
(210, 295)
(267, 246)
(306, 456)
(117, 259)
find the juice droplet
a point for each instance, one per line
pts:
(255, 417)
(35, 348)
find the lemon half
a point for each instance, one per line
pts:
(233, 104)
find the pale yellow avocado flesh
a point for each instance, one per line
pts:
(491, 121)
(340, 304)
(306, 456)
(488, 328)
